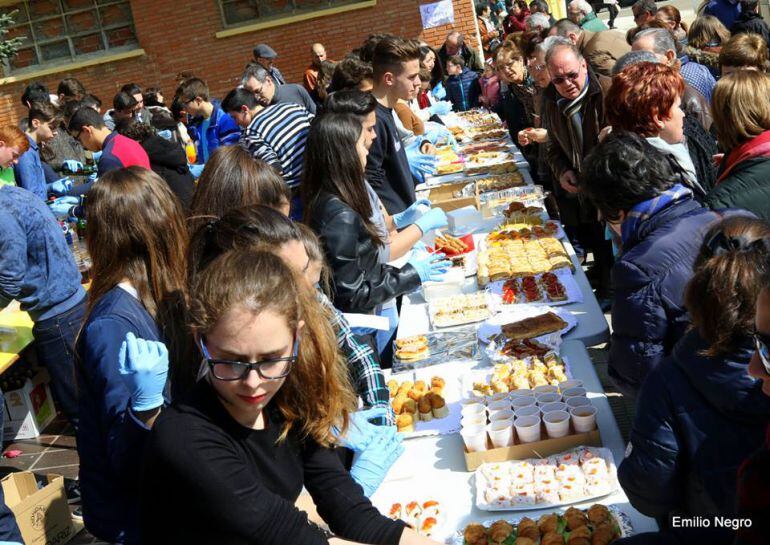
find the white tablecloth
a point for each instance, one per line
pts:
(434, 467)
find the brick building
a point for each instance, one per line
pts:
(106, 43)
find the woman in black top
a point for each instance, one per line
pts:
(226, 464)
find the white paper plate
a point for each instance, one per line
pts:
(492, 327)
(565, 276)
(481, 485)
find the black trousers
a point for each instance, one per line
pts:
(612, 9)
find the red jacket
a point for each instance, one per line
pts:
(515, 24)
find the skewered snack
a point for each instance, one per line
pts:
(550, 529)
(535, 326)
(450, 245)
(415, 400)
(423, 518)
(459, 309)
(412, 349)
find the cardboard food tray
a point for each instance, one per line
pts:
(443, 196)
(481, 481)
(621, 519)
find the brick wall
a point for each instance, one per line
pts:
(180, 37)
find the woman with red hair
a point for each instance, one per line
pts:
(645, 98)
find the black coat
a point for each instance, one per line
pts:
(697, 419)
(751, 22)
(702, 148)
(747, 187)
(361, 282)
(168, 160)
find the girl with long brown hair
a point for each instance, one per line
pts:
(137, 240)
(227, 463)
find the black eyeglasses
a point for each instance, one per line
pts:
(270, 369)
(571, 76)
(761, 344)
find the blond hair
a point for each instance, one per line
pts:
(740, 107)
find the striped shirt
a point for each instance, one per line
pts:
(277, 135)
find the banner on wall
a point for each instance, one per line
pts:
(437, 14)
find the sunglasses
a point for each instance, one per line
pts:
(571, 76)
(269, 369)
(761, 344)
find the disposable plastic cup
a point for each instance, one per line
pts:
(556, 424)
(475, 438)
(544, 399)
(577, 401)
(473, 409)
(502, 416)
(501, 433)
(551, 407)
(574, 392)
(528, 428)
(472, 399)
(532, 410)
(497, 406)
(519, 402)
(546, 389)
(473, 420)
(571, 383)
(522, 393)
(499, 396)
(583, 418)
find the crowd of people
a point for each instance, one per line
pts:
(209, 370)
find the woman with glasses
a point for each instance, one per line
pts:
(699, 414)
(137, 240)
(227, 463)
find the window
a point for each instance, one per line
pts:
(61, 31)
(237, 12)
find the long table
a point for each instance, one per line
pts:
(15, 335)
(434, 467)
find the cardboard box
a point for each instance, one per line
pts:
(42, 514)
(443, 196)
(537, 449)
(29, 409)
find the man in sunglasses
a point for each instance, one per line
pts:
(573, 112)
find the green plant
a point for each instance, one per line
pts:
(8, 48)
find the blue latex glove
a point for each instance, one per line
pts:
(420, 163)
(361, 432)
(72, 165)
(196, 170)
(407, 217)
(372, 464)
(435, 218)
(62, 206)
(437, 133)
(92, 177)
(431, 267)
(144, 368)
(439, 92)
(441, 107)
(167, 134)
(97, 155)
(60, 187)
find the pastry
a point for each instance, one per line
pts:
(405, 423)
(535, 326)
(438, 406)
(450, 245)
